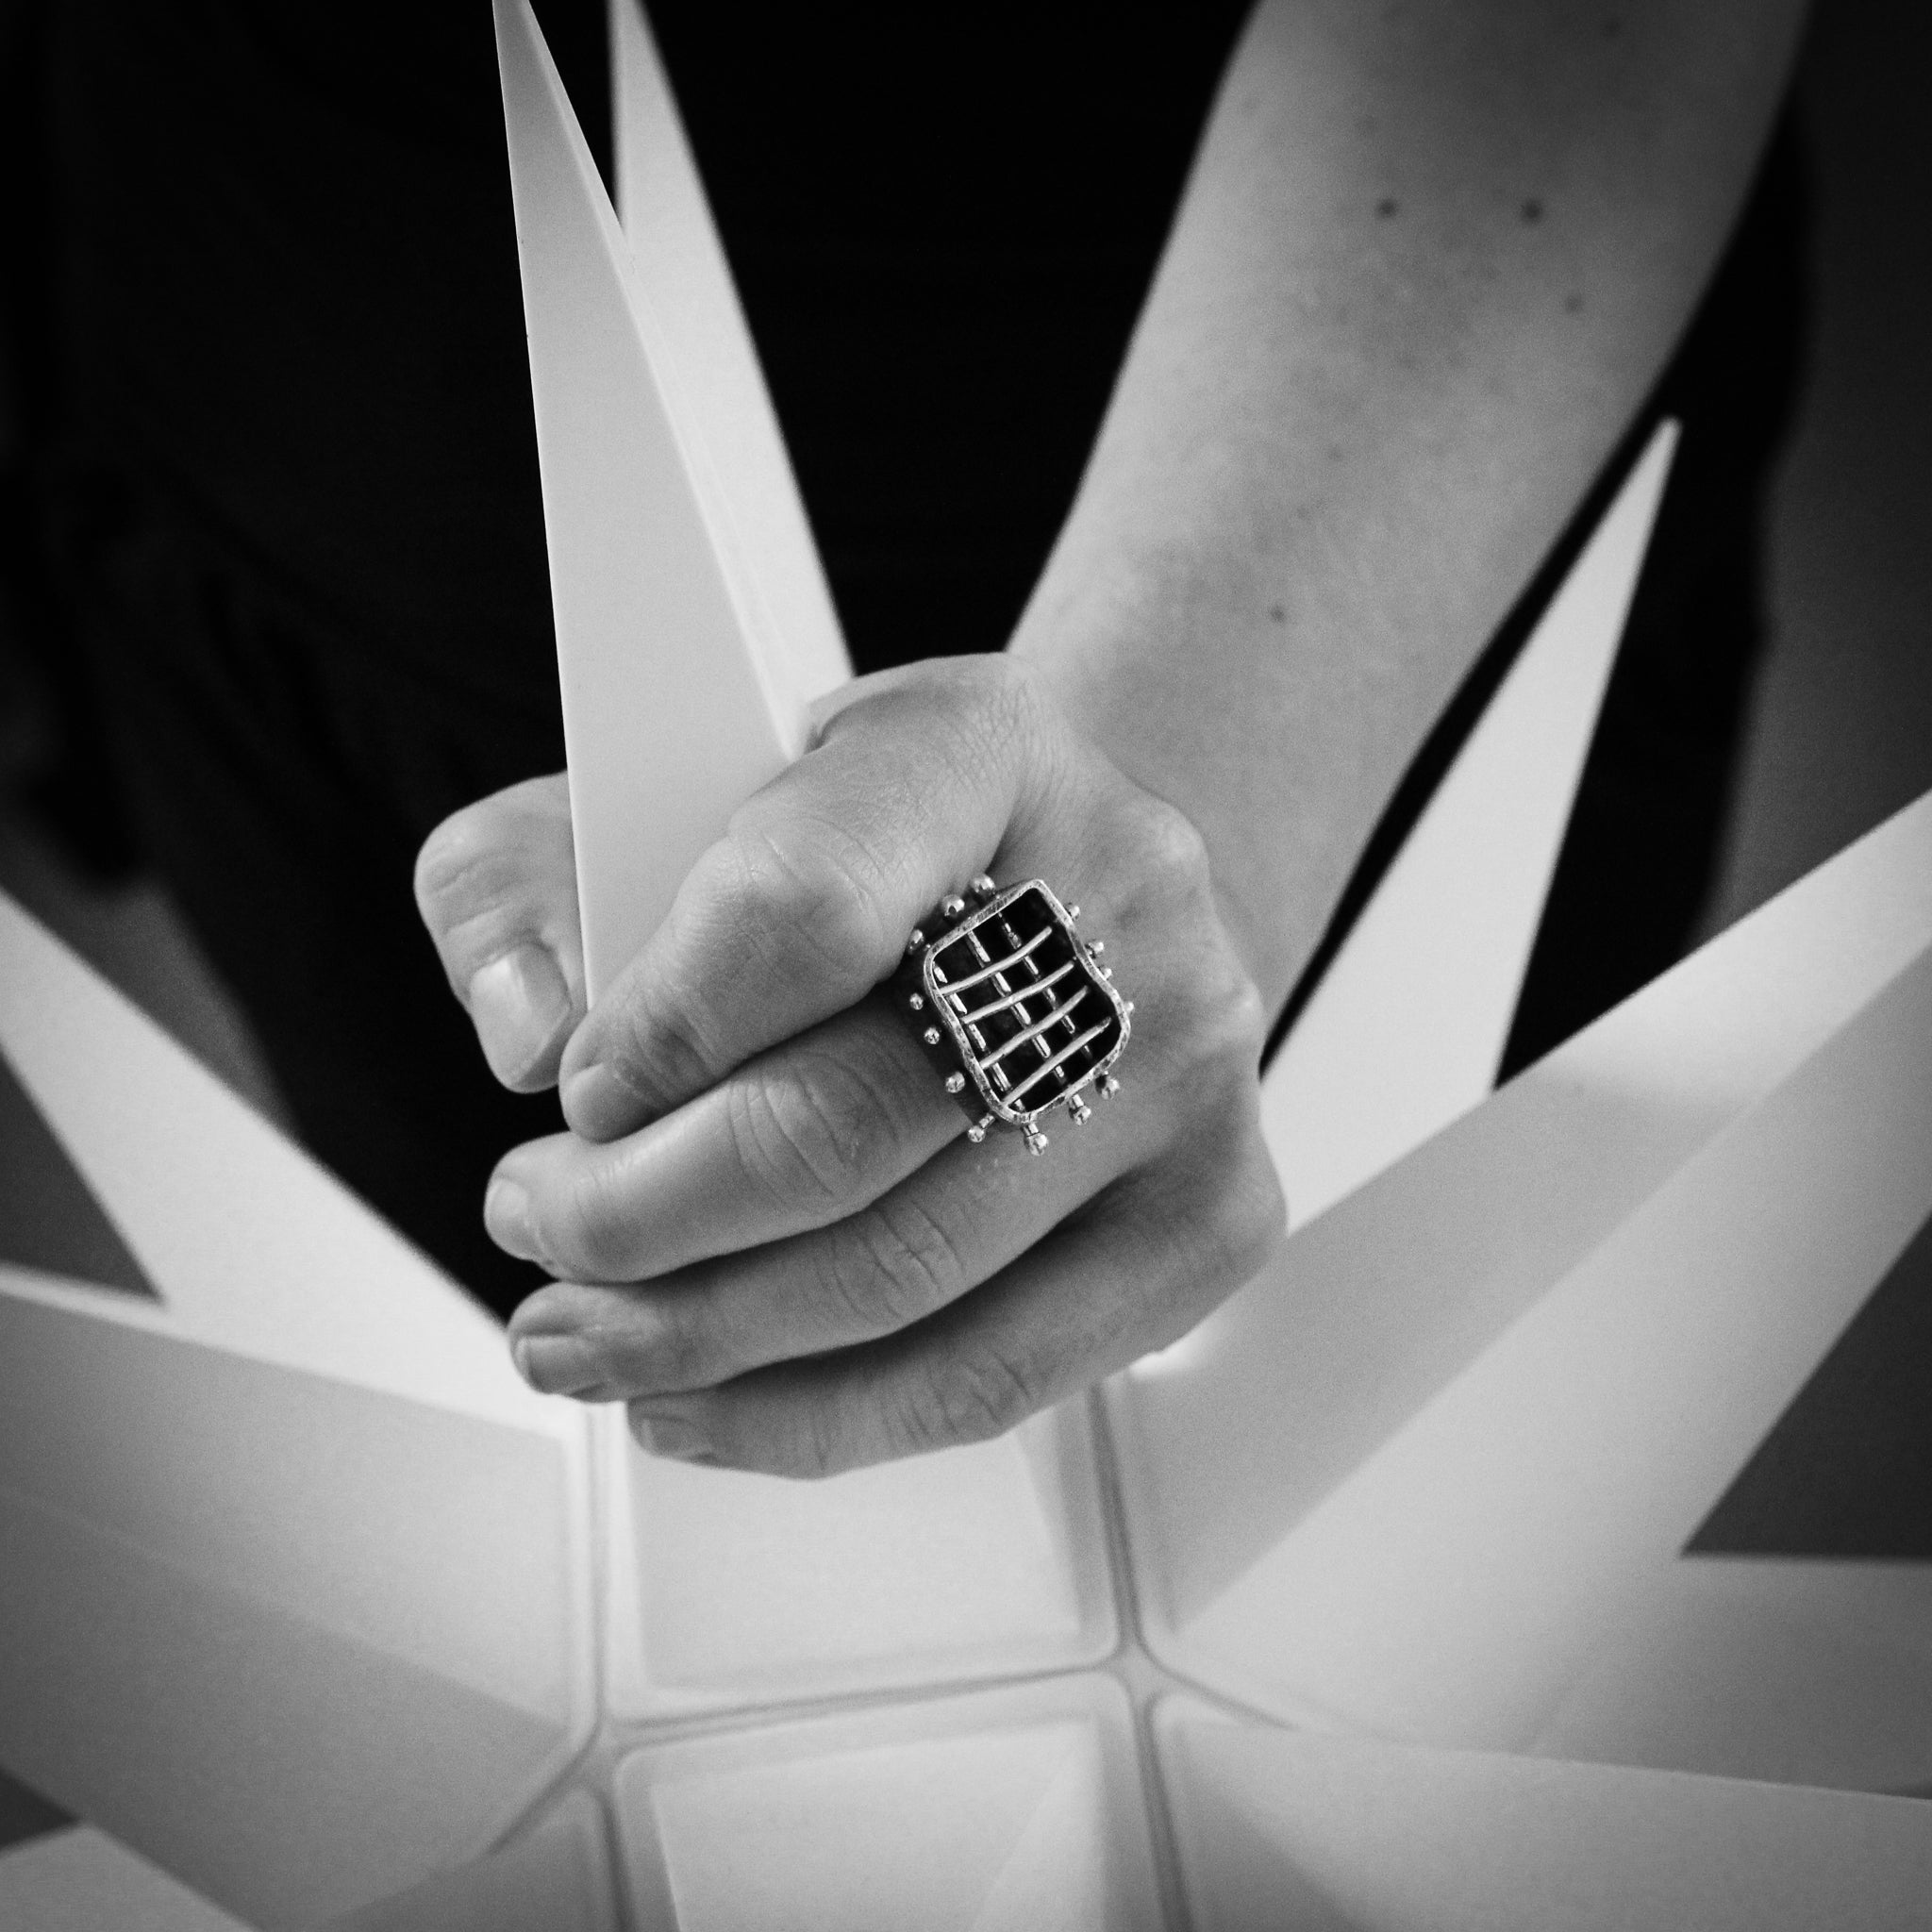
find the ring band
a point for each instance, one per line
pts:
(1014, 1007)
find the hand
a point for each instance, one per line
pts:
(776, 1243)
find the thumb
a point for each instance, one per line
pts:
(497, 885)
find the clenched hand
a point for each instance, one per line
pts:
(771, 1238)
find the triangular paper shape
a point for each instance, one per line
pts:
(1413, 1474)
(682, 693)
(926, 1815)
(1407, 1026)
(1796, 1671)
(252, 1247)
(1312, 1834)
(80, 1880)
(557, 1877)
(685, 278)
(1826, 1481)
(50, 1221)
(295, 1590)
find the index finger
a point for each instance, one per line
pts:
(807, 902)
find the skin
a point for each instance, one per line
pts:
(1429, 262)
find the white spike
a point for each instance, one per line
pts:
(557, 1876)
(293, 1585)
(1792, 1670)
(1416, 1471)
(254, 1248)
(683, 273)
(680, 698)
(299, 1644)
(1405, 1030)
(78, 1879)
(1334, 1835)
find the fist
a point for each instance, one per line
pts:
(771, 1234)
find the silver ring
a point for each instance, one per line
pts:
(1016, 1009)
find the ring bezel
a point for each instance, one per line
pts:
(1059, 1052)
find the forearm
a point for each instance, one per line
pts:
(1428, 266)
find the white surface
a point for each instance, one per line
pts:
(79, 1880)
(555, 1878)
(298, 1648)
(1455, 1585)
(1413, 1474)
(681, 697)
(294, 1579)
(255, 1248)
(1011, 1811)
(728, 1590)
(1407, 1026)
(685, 278)
(1792, 1670)
(1285, 1833)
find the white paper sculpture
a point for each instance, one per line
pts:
(1419, 1474)
(294, 1576)
(677, 545)
(311, 1606)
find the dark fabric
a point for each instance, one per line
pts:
(289, 294)
(281, 786)
(287, 302)
(943, 225)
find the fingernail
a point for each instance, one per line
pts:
(506, 1215)
(556, 1364)
(600, 1104)
(670, 1435)
(517, 1003)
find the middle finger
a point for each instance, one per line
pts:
(967, 1214)
(802, 1136)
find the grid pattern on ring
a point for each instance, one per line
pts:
(1037, 1017)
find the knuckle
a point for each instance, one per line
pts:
(1244, 1221)
(587, 1229)
(468, 889)
(803, 1441)
(1209, 1026)
(1160, 858)
(805, 883)
(895, 1266)
(971, 1397)
(992, 683)
(813, 1134)
(1006, 694)
(1254, 1220)
(669, 1352)
(450, 858)
(812, 1448)
(660, 1044)
(1174, 853)
(985, 713)
(493, 850)
(1234, 1017)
